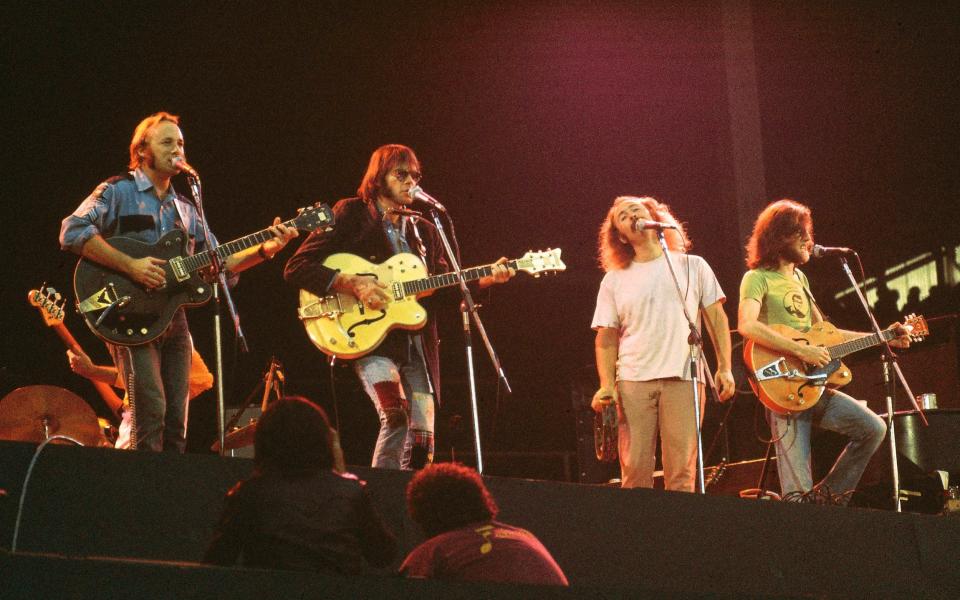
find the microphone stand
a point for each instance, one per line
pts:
(469, 309)
(888, 358)
(216, 263)
(696, 349)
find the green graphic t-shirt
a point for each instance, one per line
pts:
(782, 299)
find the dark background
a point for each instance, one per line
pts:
(529, 118)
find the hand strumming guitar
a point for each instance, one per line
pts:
(813, 355)
(369, 290)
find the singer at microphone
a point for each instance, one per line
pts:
(401, 373)
(779, 316)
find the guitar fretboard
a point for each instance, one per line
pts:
(202, 260)
(849, 347)
(418, 286)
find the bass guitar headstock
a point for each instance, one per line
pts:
(50, 304)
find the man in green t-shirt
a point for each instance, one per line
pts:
(775, 292)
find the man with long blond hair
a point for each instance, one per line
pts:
(402, 375)
(643, 358)
(775, 292)
(143, 205)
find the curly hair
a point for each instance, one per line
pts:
(142, 132)
(615, 253)
(444, 496)
(382, 161)
(775, 229)
(294, 437)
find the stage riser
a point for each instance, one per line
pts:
(98, 502)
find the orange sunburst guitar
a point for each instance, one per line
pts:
(50, 305)
(785, 384)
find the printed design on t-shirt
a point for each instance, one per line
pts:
(795, 304)
(486, 531)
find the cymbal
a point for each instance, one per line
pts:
(238, 438)
(36, 412)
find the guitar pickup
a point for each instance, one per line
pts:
(777, 370)
(180, 272)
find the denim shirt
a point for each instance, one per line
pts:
(128, 206)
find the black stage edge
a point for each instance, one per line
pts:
(87, 502)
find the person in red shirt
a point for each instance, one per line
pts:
(456, 512)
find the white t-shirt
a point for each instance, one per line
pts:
(641, 303)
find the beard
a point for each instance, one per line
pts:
(793, 254)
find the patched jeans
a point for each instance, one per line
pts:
(396, 385)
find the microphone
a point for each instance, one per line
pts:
(183, 167)
(405, 212)
(821, 251)
(641, 224)
(417, 193)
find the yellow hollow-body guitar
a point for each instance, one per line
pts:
(339, 325)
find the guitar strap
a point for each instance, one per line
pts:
(810, 297)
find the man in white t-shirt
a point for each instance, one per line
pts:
(643, 358)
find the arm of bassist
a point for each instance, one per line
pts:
(98, 378)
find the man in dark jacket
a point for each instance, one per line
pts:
(401, 375)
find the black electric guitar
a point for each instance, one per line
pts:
(121, 311)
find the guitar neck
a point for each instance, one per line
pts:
(202, 260)
(419, 286)
(869, 341)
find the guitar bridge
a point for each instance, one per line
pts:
(778, 370)
(179, 271)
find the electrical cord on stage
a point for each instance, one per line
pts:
(26, 480)
(333, 393)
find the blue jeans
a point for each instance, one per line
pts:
(160, 371)
(400, 383)
(838, 412)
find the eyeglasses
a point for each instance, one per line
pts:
(402, 174)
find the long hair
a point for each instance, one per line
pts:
(444, 496)
(616, 253)
(141, 133)
(382, 161)
(774, 230)
(293, 436)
